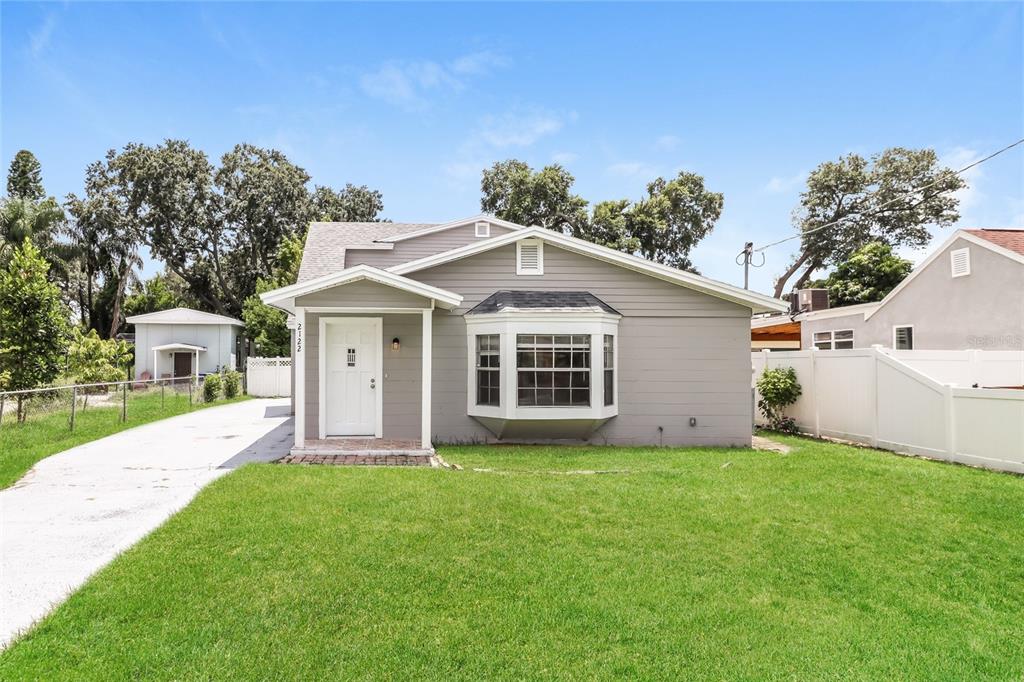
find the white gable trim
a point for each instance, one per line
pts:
(182, 316)
(959, 234)
(483, 217)
(757, 302)
(285, 296)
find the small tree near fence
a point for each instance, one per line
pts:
(232, 384)
(779, 389)
(211, 387)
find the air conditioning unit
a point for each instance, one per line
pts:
(807, 300)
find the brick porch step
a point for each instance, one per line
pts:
(421, 458)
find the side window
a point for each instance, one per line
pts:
(903, 337)
(488, 370)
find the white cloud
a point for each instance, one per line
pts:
(667, 142)
(778, 185)
(478, 63)
(629, 169)
(518, 129)
(409, 83)
(39, 39)
(494, 136)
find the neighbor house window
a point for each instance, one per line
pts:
(841, 339)
(488, 370)
(903, 337)
(609, 369)
(553, 370)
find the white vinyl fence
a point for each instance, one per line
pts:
(965, 368)
(268, 377)
(870, 397)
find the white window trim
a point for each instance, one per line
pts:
(483, 229)
(832, 339)
(510, 324)
(903, 326)
(540, 257)
(966, 251)
(321, 371)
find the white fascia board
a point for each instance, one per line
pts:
(865, 309)
(959, 234)
(753, 300)
(285, 296)
(483, 217)
(179, 316)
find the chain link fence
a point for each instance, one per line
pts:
(116, 400)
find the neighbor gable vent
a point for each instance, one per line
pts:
(530, 257)
(483, 229)
(960, 262)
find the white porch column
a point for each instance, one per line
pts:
(156, 370)
(428, 352)
(300, 377)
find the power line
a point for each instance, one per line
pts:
(895, 199)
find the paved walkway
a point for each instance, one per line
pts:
(75, 511)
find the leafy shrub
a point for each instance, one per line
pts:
(92, 360)
(232, 384)
(779, 389)
(211, 387)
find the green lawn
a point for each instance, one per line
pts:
(22, 445)
(829, 562)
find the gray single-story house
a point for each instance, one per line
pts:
(968, 294)
(181, 342)
(481, 330)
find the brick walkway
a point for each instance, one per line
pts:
(342, 459)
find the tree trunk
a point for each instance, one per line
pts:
(806, 275)
(115, 323)
(780, 283)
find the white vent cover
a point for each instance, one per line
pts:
(960, 262)
(529, 257)
(483, 229)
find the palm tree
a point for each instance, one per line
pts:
(25, 218)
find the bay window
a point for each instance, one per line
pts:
(488, 370)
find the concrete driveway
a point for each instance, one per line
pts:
(76, 510)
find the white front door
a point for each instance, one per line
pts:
(351, 350)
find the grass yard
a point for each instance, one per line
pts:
(42, 435)
(829, 562)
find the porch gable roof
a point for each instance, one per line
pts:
(284, 298)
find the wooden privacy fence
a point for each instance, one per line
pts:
(870, 397)
(268, 377)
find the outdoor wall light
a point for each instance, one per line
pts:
(396, 344)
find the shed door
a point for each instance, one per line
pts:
(351, 351)
(182, 364)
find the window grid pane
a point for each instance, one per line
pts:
(488, 372)
(609, 369)
(553, 370)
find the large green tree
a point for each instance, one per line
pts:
(34, 325)
(513, 191)
(349, 204)
(25, 177)
(662, 226)
(109, 245)
(219, 228)
(875, 199)
(162, 291)
(266, 326)
(871, 272)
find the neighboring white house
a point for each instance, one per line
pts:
(180, 342)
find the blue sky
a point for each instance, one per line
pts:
(416, 100)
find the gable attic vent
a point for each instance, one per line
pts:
(529, 257)
(483, 229)
(960, 262)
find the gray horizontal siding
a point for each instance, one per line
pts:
(419, 247)
(628, 291)
(682, 353)
(363, 294)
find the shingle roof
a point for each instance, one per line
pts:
(326, 243)
(574, 301)
(1008, 239)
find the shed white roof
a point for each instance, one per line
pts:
(180, 346)
(183, 316)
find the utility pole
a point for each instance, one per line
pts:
(746, 259)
